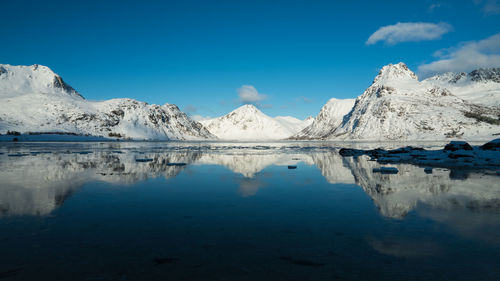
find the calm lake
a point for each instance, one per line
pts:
(239, 211)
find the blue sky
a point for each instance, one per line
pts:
(197, 54)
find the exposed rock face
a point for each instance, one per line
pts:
(485, 74)
(399, 107)
(35, 99)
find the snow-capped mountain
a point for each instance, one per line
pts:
(249, 123)
(36, 100)
(480, 86)
(328, 119)
(293, 124)
(397, 106)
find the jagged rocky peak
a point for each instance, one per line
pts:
(448, 77)
(309, 119)
(485, 74)
(478, 75)
(395, 72)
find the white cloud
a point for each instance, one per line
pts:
(489, 7)
(190, 109)
(465, 57)
(248, 94)
(409, 32)
(434, 6)
(200, 118)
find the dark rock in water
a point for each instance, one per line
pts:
(292, 167)
(456, 154)
(428, 170)
(144, 160)
(350, 152)
(357, 152)
(458, 174)
(406, 149)
(17, 155)
(82, 152)
(159, 261)
(457, 145)
(460, 154)
(301, 262)
(176, 164)
(386, 170)
(492, 145)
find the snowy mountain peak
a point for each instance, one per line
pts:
(20, 80)
(34, 99)
(447, 77)
(395, 72)
(328, 119)
(309, 119)
(249, 123)
(485, 75)
(247, 108)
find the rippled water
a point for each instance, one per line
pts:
(222, 211)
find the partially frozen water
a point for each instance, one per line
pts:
(239, 211)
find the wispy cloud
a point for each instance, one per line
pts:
(303, 99)
(434, 6)
(248, 94)
(409, 32)
(489, 7)
(465, 57)
(190, 109)
(200, 117)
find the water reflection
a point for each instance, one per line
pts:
(36, 182)
(209, 211)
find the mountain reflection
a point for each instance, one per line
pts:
(37, 183)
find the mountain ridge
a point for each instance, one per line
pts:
(37, 100)
(248, 123)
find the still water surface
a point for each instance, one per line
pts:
(134, 211)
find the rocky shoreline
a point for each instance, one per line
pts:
(456, 154)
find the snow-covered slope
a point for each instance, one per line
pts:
(293, 124)
(249, 123)
(399, 107)
(480, 86)
(328, 119)
(35, 99)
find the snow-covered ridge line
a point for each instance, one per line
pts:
(35, 99)
(399, 107)
(248, 123)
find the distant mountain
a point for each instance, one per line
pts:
(328, 119)
(479, 86)
(249, 123)
(36, 100)
(397, 106)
